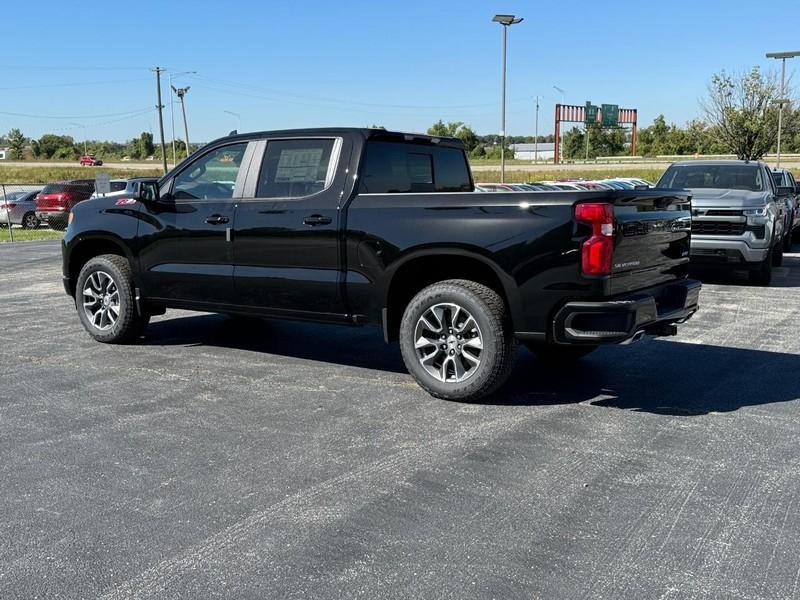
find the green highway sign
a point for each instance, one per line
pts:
(591, 114)
(610, 115)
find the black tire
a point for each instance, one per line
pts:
(129, 324)
(787, 242)
(559, 354)
(498, 346)
(29, 220)
(777, 255)
(762, 274)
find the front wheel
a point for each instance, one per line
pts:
(105, 300)
(777, 255)
(456, 340)
(762, 274)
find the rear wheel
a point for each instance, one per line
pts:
(29, 221)
(762, 274)
(558, 354)
(456, 340)
(105, 301)
(57, 223)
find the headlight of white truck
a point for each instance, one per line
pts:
(756, 216)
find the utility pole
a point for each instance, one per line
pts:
(181, 92)
(587, 143)
(160, 107)
(536, 135)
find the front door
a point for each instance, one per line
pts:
(286, 239)
(185, 252)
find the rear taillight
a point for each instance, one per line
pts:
(598, 250)
(7, 206)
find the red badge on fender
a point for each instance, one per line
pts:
(125, 201)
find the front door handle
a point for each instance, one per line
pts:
(217, 220)
(317, 220)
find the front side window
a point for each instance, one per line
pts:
(213, 175)
(296, 168)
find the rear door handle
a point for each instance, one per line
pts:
(317, 220)
(217, 220)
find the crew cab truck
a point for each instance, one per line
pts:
(739, 215)
(365, 226)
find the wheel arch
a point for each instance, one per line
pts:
(421, 268)
(83, 250)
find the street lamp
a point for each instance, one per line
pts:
(238, 118)
(172, 111)
(181, 93)
(782, 100)
(506, 21)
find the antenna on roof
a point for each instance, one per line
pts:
(234, 132)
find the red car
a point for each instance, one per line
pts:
(90, 160)
(55, 201)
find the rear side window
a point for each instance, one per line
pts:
(394, 168)
(118, 186)
(296, 168)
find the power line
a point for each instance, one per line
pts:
(71, 84)
(56, 117)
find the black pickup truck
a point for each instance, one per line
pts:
(365, 226)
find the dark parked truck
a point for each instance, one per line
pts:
(364, 226)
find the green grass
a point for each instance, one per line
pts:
(14, 174)
(554, 175)
(29, 235)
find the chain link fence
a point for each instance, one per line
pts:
(19, 220)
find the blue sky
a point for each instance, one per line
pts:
(401, 64)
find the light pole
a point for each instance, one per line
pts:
(83, 127)
(506, 21)
(238, 119)
(560, 146)
(536, 134)
(172, 110)
(782, 100)
(181, 92)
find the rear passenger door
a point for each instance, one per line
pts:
(286, 238)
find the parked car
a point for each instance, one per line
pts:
(495, 187)
(90, 160)
(20, 209)
(404, 245)
(122, 187)
(784, 178)
(737, 214)
(56, 200)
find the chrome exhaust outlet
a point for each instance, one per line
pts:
(634, 338)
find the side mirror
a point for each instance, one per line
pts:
(146, 191)
(785, 191)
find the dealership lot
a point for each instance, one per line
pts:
(222, 458)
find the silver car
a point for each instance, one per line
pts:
(20, 209)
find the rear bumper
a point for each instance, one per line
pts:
(652, 311)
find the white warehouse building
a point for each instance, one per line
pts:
(527, 151)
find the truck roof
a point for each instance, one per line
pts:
(718, 162)
(366, 132)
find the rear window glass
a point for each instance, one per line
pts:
(393, 167)
(728, 177)
(54, 188)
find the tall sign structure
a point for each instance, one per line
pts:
(605, 115)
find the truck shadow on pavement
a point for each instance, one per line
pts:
(655, 376)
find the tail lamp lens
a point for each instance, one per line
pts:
(598, 250)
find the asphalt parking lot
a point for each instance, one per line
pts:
(288, 460)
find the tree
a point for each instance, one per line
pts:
(455, 129)
(16, 144)
(146, 146)
(50, 144)
(741, 112)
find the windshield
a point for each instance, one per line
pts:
(728, 177)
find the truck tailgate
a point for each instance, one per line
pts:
(651, 239)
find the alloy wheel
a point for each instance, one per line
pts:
(101, 300)
(448, 342)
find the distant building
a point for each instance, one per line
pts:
(527, 151)
(3, 153)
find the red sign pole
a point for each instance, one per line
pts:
(557, 136)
